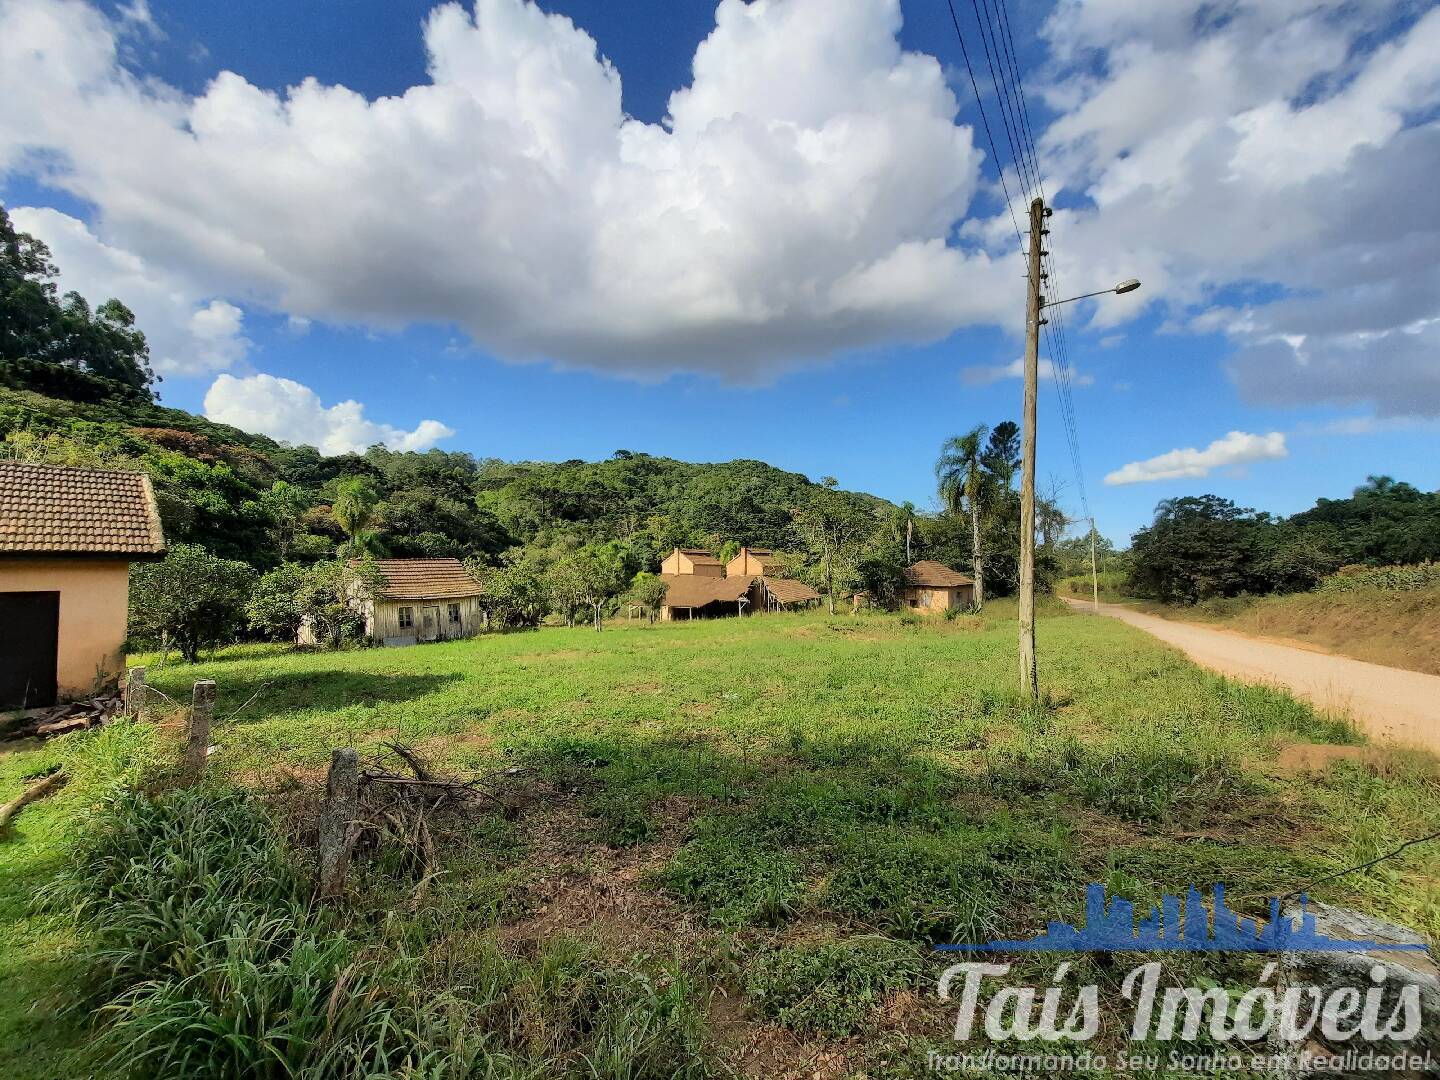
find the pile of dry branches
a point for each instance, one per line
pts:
(400, 807)
(71, 716)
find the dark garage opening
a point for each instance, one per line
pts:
(29, 647)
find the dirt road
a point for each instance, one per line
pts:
(1386, 702)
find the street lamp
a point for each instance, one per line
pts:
(1128, 285)
(1035, 305)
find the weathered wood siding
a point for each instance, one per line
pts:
(383, 623)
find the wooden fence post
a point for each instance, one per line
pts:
(337, 817)
(135, 693)
(202, 710)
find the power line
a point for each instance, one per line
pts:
(998, 43)
(990, 138)
(1060, 366)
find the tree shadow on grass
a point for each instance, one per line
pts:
(249, 699)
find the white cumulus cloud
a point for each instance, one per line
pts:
(1236, 448)
(292, 412)
(188, 333)
(1284, 147)
(809, 191)
(797, 200)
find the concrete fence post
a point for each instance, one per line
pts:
(202, 711)
(337, 818)
(135, 693)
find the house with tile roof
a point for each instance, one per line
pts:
(67, 539)
(698, 585)
(750, 562)
(933, 587)
(695, 562)
(423, 600)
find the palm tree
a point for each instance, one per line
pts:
(961, 475)
(354, 508)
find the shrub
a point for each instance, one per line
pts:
(1382, 578)
(190, 595)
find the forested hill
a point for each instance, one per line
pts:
(247, 497)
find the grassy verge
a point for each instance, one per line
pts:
(726, 845)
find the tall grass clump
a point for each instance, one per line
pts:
(209, 959)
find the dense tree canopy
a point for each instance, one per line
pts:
(57, 342)
(1204, 546)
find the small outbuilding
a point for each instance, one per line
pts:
(934, 587)
(423, 600)
(67, 539)
(691, 562)
(696, 596)
(781, 594)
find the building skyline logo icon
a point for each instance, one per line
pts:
(1174, 925)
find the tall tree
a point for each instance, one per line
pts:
(1001, 456)
(44, 336)
(356, 498)
(960, 472)
(832, 526)
(283, 504)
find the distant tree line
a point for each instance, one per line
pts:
(262, 533)
(1205, 546)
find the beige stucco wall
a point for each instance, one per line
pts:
(677, 562)
(94, 598)
(744, 565)
(933, 598)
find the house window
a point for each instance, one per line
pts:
(454, 613)
(407, 618)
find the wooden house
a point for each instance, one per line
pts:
(695, 562)
(67, 539)
(934, 587)
(423, 600)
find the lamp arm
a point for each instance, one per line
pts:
(1082, 296)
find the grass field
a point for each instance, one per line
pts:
(714, 847)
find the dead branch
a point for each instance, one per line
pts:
(411, 758)
(38, 790)
(71, 716)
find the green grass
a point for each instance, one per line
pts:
(780, 810)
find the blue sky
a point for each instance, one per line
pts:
(390, 268)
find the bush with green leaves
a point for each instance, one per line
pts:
(190, 598)
(515, 591)
(1382, 579)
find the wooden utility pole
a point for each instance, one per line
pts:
(1034, 305)
(1094, 575)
